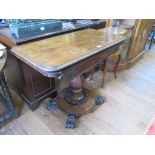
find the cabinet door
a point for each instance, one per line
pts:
(140, 37)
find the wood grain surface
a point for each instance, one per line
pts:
(56, 53)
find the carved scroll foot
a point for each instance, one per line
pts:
(99, 100)
(51, 105)
(70, 123)
(77, 101)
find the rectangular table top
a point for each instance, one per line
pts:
(56, 53)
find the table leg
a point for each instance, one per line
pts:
(105, 72)
(115, 68)
(70, 123)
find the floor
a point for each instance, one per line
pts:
(129, 107)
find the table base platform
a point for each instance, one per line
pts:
(77, 109)
(74, 111)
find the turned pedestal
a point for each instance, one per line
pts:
(76, 101)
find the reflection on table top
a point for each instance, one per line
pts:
(56, 53)
(5, 33)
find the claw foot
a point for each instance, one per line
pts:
(70, 123)
(99, 100)
(52, 105)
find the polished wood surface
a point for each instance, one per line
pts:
(137, 38)
(70, 55)
(10, 41)
(56, 53)
(6, 38)
(30, 84)
(140, 37)
(127, 111)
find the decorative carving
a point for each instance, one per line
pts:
(76, 95)
(7, 100)
(99, 100)
(75, 99)
(70, 123)
(52, 105)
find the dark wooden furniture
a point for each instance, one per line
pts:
(105, 65)
(32, 86)
(11, 41)
(5, 97)
(117, 55)
(28, 83)
(69, 56)
(141, 34)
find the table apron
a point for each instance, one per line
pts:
(88, 63)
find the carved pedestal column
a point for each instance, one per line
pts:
(76, 101)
